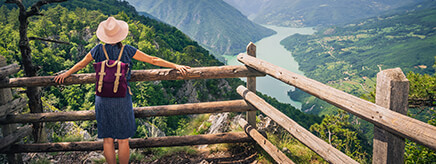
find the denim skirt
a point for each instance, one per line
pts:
(115, 118)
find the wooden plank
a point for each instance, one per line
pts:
(140, 112)
(9, 70)
(216, 72)
(392, 93)
(391, 121)
(6, 96)
(319, 146)
(15, 136)
(251, 85)
(169, 141)
(12, 107)
(272, 150)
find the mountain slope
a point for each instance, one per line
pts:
(349, 57)
(316, 12)
(214, 24)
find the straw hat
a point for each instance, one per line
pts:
(112, 31)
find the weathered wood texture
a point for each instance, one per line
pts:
(217, 72)
(392, 92)
(319, 146)
(140, 112)
(9, 70)
(12, 106)
(272, 150)
(233, 137)
(6, 97)
(394, 122)
(251, 85)
(15, 136)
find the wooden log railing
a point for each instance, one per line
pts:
(384, 118)
(12, 107)
(319, 146)
(392, 93)
(15, 136)
(217, 72)
(232, 137)
(272, 150)
(9, 70)
(10, 133)
(140, 112)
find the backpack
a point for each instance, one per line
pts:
(111, 76)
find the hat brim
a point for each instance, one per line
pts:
(121, 35)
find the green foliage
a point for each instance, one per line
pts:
(303, 119)
(416, 153)
(337, 131)
(296, 151)
(422, 87)
(136, 157)
(348, 57)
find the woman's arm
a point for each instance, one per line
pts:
(141, 56)
(85, 61)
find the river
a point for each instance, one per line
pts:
(271, 50)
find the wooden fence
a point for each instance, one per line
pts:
(387, 114)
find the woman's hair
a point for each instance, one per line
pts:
(119, 44)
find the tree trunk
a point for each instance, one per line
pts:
(33, 93)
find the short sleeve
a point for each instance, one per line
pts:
(131, 51)
(95, 50)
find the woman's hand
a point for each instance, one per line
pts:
(82, 64)
(182, 69)
(60, 78)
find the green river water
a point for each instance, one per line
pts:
(271, 50)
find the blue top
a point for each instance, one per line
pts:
(113, 51)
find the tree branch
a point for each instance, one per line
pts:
(34, 10)
(18, 2)
(48, 40)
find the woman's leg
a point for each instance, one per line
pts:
(123, 151)
(109, 150)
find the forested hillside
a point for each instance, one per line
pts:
(75, 22)
(349, 57)
(298, 13)
(214, 24)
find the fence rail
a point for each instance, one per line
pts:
(325, 150)
(232, 137)
(391, 121)
(217, 72)
(140, 112)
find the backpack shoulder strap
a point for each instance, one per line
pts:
(105, 53)
(121, 53)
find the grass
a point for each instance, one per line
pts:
(41, 161)
(296, 151)
(168, 151)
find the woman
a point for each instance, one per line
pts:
(115, 119)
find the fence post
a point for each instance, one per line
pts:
(251, 85)
(6, 97)
(392, 92)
